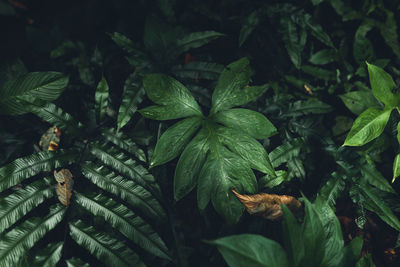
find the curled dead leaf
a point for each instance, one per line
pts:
(64, 186)
(268, 205)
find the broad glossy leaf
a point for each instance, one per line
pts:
(19, 203)
(369, 125)
(25, 167)
(246, 147)
(250, 122)
(230, 86)
(168, 92)
(373, 202)
(359, 101)
(34, 87)
(195, 40)
(15, 243)
(104, 247)
(198, 70)
(49, 256)
(225, 170)
(190, 164)
(382, 85)
(124, 220)
(101, 99)
(173, 140)
(396, 167)
(251, 250)
(131, 98)
(292, 237)
(324, 56)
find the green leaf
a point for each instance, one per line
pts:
(173, 140)
(250, 122)
(366, 261)
(124, 220)
(49, 256)
(195, 40)
(190, 164)
(319, 73)
(131, 98)
(15, 243)
(286, 152)
(359, 101)
(396, 167)
(249, 25)
(317, 31)
(101, 99)
(198, 70)
(333, 188)
(56, 116)
(270, 182)
(374, 203)
(251, 250)
(136, 56)
(247, 148)
(225, 170)
(352, 252)
(368, 126)
(362, 47)
(76, 262)
(19, 203)
(294, 39)
(104, 247)
(375, 178)
(324, 56)
(136, 195)
(304, 107)
(23, 168)
(34, 87)
(229, 90)
(169, 93)
(292, 237)
(382, 85)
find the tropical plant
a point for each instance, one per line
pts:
(115, 207)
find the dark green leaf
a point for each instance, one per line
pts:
(101, 99)
(285, 152)
(249, 25)
(317, 31)
(304, 107)
(359, 101)
(292, 237)
(323, 57)
(195, 40)
(362, 47)
(76, 262)
(375, 178)
(49, 256)
(333, 188)
(396, 167)
(198, 70)
(294, 39)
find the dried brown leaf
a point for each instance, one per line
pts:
(64, 186)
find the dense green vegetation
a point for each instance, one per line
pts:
(163, 107)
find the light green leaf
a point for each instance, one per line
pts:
(195, 40)
(49, 256)
(190, 164)
(396, 167)
(101, 99)
(247, 148)
(173, 140)
(229, 90)
(34, 87)
(124, 220)
(250, 122)
(251, 250)
(369, 125)
(19, 203)
(104, 247)
(20, 169)
(359, 101)
(382, 85)
(168, 92)
(15, 243)
(131, 98)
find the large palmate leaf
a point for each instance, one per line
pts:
(23, 168)
(251, 250)
(124, 220)
(19, 203)
(34, 87)
(17, 241)
(103, 246)
(369, 125)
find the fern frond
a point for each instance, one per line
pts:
(49, 256)
(285, 152)
(76, 262)
(104, 247)
(124, 164)
(124, 142)
(20, 239)
(56, 116)
(333, 188)
(23, 168)
(126, 189)
(19, 203)
(125, 221)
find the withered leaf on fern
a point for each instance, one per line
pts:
(64, 186)
(50, 139)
